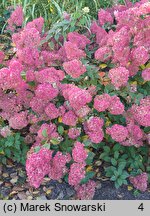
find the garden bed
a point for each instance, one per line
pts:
(75, 104)
(13, 185)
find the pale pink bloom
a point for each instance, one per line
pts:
(140, 182)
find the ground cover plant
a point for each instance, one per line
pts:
(78, 95)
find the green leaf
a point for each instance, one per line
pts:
(7, 152)
(37, 149)
(55, 141)
(46, 145)
(90, 157)
(119, 181)
(107, 159)
(99, 145)
(60, 129)
(116, 147)
(116, 173)
(44, 133)
(88, 176)
(87, 143)
(106, 149)
(124, 175)
(66, 178)
(125, 182)
(117, 185)
(17, 144)
(4, 160)
(122, 165)
(113, 178)
(114, 162)
(116, 155)
(104, 154)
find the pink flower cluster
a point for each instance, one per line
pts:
(5, 131)
(1, 57)
(18, 121)
(140, 114)
(76, 173)
(47, 131)
(86, 191)
(58, 166)
(146, 74)
(93, 128)
(35, 92)
(40, 164)
(77, 97)
(37, 166)
(79, 40)
(140, 182)
(79, 153)
(69, 118)
(16, 19)
(104, 17)
(73, 133)
(111, 103)
(135, 136)
(128, 45)
(119, 76)
(118, 132)
(74, 68)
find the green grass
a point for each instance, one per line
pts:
(51, 10)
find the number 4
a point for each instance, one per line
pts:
(141, 207)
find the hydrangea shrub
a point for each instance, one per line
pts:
(82, 98)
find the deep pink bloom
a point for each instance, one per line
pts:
(74, 68)
(93, 128)
(118, 132)
(37, 166)
(142, 115)
(76, 173)
(102, 102)
(94, 123)
(86, 191)
(47, 131)
(69, 118)
(18, 121)
(119, 76)
(46, 92)
(52, 111)
(104, 17)
(1, 57)
(103, 54)
(140, 182)
(16, 18)
(49, 75)
(140, 55)
(84, 111)
(146, 74)
(73, 133)
(96, 136)
(116, 106)
(58, 166)
(79, 153)
(79, 39)
(135, 136)
(36, 23)
(72, 51)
